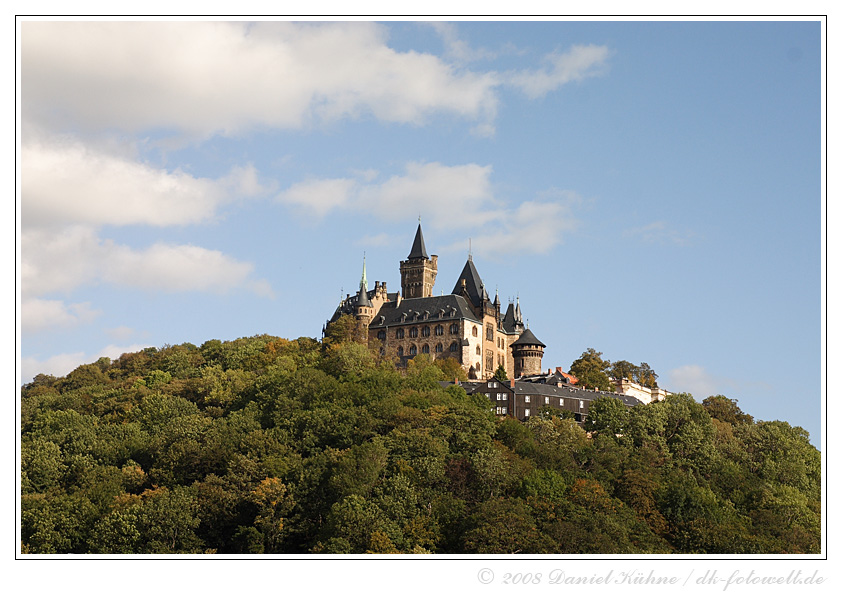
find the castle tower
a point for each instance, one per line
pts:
(365, 309)
(527, 352)
(418, 271)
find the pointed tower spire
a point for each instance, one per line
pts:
(419, 250)
(418, 271)
(364, 280)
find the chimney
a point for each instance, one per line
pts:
(512, 383)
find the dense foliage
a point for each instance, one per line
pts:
(263, 445)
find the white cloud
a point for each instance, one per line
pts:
(318, 197)
(76, 256)
(173, 268)
(693, 379)
(448, 195)
(67, 183)
(457, 49)
(64, 363)
(210, 77)
(39, 314)
(579, 62)
(205, 78)
(534, 227)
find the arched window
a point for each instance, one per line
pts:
(479, 351)
(399, 334)
(425, 349)
(400, 351)
(381, 335)
(439, 348)
(413, 332)
(413, 350)
(454, 328)
(454, 346)
(475, 330)
(439, 330)
(425, 332)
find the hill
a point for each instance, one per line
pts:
(264, 445)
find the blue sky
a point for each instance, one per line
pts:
(648, 189)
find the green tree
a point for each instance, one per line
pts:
(500, 374)
(645, 376)
(623, 369)
(592, 370)
(725, 409)
(607, 415)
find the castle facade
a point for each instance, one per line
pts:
(464, 324)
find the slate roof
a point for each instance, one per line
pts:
(528, 338)
(419, 250)
(547, 390)
(473, 283)
(567, 392)
(349, 305)
(362, 298)
(511, 320)
(442, 308)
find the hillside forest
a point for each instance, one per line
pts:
(263, 445)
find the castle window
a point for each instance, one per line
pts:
(425, 331)
(381, 335)
(581, 404)
(413, 350)
(479, 367)
(479, 351)
(454, 346)
(400, 351)
(546, 400)
(425, 349)
(561, 402)
(501, 411)
(439, 330)
(475, 331)
(454, 328)
(489, 332)
(399, 334)
(526, 399)
(492, 385)
(413, 332)
(526, 412)
(439, 348)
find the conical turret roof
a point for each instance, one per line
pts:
(419, 250)
(528, 338)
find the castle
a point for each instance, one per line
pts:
(464, 324)
(468, 326)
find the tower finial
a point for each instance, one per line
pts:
(470, 251)
(364, 280)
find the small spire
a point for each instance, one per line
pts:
(364, 280)
(470, 252)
